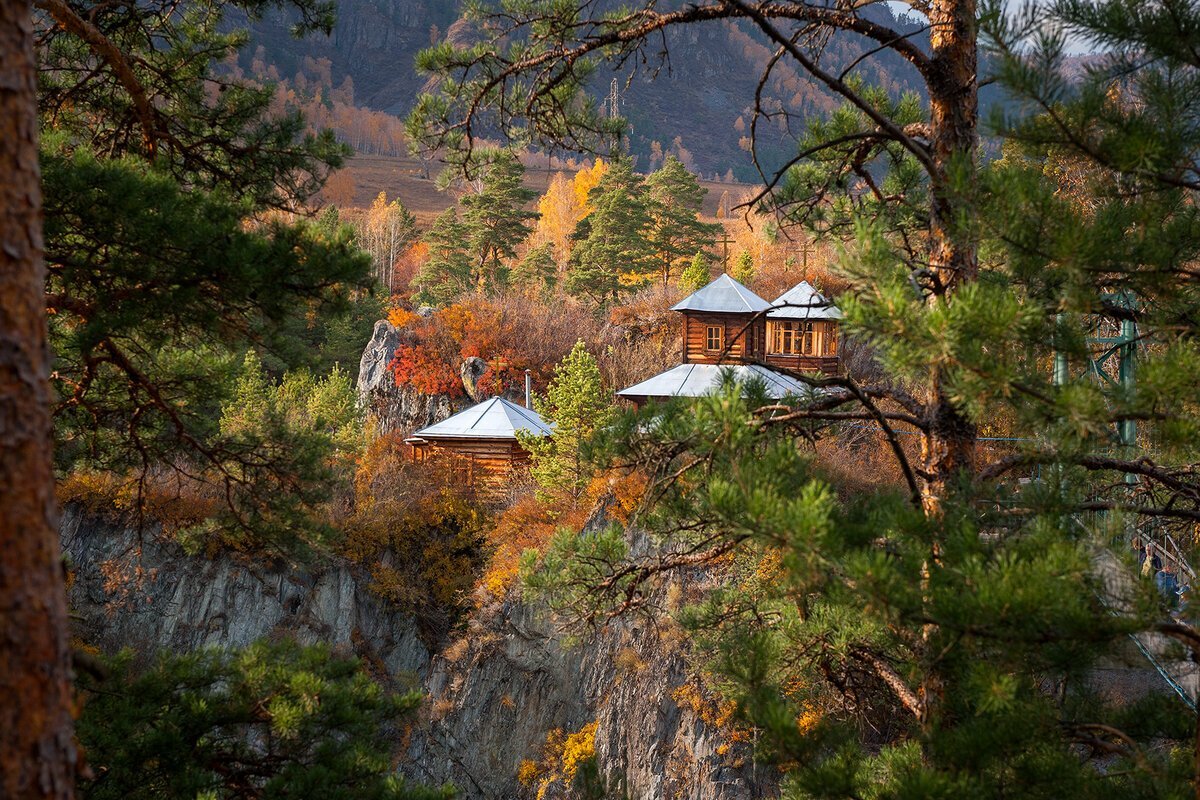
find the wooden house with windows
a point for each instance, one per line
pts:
(802, 331)
(481, 444)
(722, 323)
(725, 325)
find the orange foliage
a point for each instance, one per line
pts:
(625, 489)
(511, 334)
(525, 525)
(421, 367)
(171, 500)
(401, 317)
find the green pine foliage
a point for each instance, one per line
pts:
(743, 268)
(576, 405)
(172, 247)
(537, 271)
(676, 231)
(471, 247)
(274, 720)
(613, 249)
(496, 220)
(446, 274)
(697, 275)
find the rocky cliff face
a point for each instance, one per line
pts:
(395, 408)
(493, 694)
(137, 589)
(514, 680)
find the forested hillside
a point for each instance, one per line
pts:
(558, 470)
(698, 105)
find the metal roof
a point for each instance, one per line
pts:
(695, 380)
(723, 295)
(492, 419)
(804, 302)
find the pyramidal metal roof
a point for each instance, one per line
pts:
(804, 302)
(724, 294)
(696, 380)
(492, 419)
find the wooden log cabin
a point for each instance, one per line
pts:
(802, 331)
(723, 323)
(726, 324)
(481, 444)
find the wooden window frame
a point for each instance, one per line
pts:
(708, 338)
(792, 338)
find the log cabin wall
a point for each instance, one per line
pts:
(488, 467)
(749, 345)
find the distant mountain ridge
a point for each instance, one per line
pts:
(699, 107)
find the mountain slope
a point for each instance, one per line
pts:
(699, 106)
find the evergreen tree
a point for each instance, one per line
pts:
(496, 221)
(697, 275)
(743, 268)
(165, 256)
(537, 270)
(576, 405)
(446, 273)
(272, 720)
(612, 250)
(676, 230)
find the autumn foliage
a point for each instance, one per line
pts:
(511, 333)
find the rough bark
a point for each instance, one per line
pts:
(37, 751)
(949, 448)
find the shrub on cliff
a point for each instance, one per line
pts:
(273, 720)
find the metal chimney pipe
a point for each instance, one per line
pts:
(529, 390)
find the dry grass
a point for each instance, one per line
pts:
(412, 183)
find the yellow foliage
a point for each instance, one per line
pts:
(560, 212)
(584, 181)
(529, 772)
(769, 567)
(717, 714)
(808, 719)
(578, 748)
(562, 756)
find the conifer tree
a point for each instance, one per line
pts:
(675, 229)
(697, 275)
(613, 250)
(447, 272)
(495, 220)
(537, 270)
(257, 722)
(743, 268)
(577, 405)
(935, 610)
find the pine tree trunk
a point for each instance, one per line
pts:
(37, 750)
(949, 448)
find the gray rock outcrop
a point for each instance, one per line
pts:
(392, 407)
(137, 589)
(493, 695)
